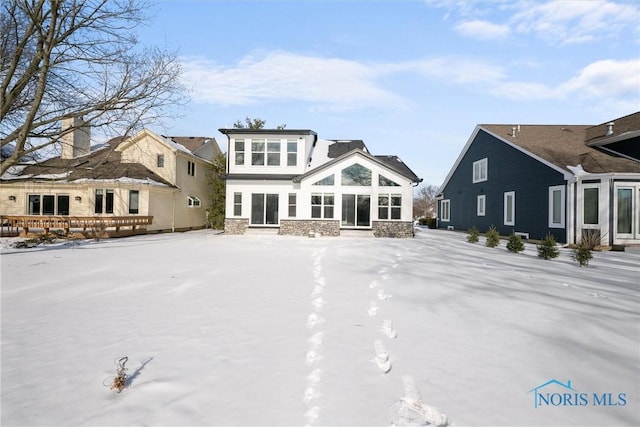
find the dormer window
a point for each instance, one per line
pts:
(273, 152)
(160, 161)
(257, 152)
(292, 152)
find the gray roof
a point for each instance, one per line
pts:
(563, 146)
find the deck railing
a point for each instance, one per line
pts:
(122, 225)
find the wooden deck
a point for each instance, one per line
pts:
(88, 226)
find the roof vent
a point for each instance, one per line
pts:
(513, 131)
(609, 129)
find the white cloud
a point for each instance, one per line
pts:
(483, 30)
(333, 84)
(605, 79)
(570, 22)
(282, 76)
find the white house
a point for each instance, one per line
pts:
(292, 180)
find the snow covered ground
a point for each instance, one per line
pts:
(275, 330)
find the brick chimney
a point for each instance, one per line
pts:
(76, 142)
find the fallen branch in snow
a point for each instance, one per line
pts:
(120, 381)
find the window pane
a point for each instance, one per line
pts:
(591, 205)
(239, 158)
(356, 175)
(272, 209)
(292, 205)
(557, 207)
(109, 202)
(348, 209)
(48, 203)
(386, 182)
(34, 204)
(98, 202)
(133, 201)
(625, 213)
(273, 150)
(257, 209)
(395, 212)
(383, 212)
(363, 212)
(160, 161)
(292, 153)
(329, 180)
(316, 211)
(63, 205)
(316, 199)
(257, 152)
(239, 145)
(383, 200)
(328, 212)
(328, 199)
(237, 204)
(396, 200)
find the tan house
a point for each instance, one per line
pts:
(145, 183)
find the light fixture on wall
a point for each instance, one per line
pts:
(12, 198)
(78, 198)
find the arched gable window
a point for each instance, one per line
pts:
(356, 174)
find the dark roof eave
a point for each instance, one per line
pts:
(245, 131)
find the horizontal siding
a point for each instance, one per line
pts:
(508, 170)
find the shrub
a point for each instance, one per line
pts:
(582, 254)
(473, 235)
(515, 243)
(493, 237)
(590, 238)
(547, 249)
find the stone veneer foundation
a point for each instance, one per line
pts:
(298, 227)
(236, 226)
(401, 229)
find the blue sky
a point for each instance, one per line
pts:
(409, 77)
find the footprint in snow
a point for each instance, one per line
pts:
(383, 296)
(373, 309)
(373, 284)
(310, 394)
(312, 357)
(314, 320)
(388, 330)
(381, 359)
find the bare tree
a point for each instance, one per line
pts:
(78, 58)
(256, 123)
(424, 201)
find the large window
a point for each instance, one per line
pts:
(356, 174)
(237, 204)
(480, 171)
(134, 200)
(292, 152)
(445, 210)
(389, 206)
(48, 204)
(264, 209)
(481, 205)
(239, 148)
(273, 152)
(322, 205)
(590, 205)
(103, 201)
(556, 206)
(510, 208)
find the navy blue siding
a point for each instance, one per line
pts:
(508, 169)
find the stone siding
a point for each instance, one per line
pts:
(402, 229)
(235, 225)
(296, 227)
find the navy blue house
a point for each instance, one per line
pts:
(540, 179)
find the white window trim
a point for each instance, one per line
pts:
(193, 202)
(481, 205)
(552, 190)
(443, 210)
(513, 207)
(481, 165)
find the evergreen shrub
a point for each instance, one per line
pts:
(493, 237)
(582, 254)
(515, 243)
(547, 249)
(473, 235)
